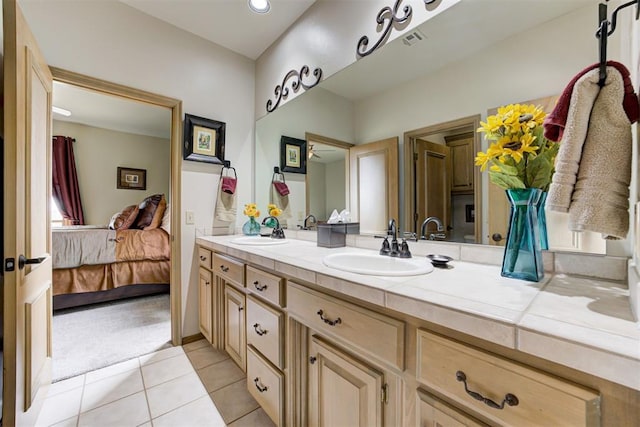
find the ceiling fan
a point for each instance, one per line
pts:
(314, 153)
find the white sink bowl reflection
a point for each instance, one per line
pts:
(258, 241)
(377, 265)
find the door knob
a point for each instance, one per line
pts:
(496, 237)
(22, 261)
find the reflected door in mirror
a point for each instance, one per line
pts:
(433, 177)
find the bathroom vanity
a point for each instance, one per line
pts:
(456, 346)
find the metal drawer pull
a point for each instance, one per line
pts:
(203, 258)
(509, 399)
(327, 321)
(207, 283)
(223, 268)
(261, 389)
(259, 287)
(259, 330)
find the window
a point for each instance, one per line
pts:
(56, 216)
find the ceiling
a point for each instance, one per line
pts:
(228, 23)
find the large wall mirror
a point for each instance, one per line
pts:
(431, 96)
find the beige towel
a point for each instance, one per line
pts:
(593, 168)
(281, 202)
(224, 217)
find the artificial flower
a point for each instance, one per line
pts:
(251, 210)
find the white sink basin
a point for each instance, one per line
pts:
(378, 265)
(258, 241)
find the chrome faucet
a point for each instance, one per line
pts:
(425, 223)
(392, 231)
(304, 224)
(277, 233)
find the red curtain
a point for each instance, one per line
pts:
(65, 180)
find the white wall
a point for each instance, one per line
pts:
(335, 181)
(114, 42)
(99, 152)
(317, 189)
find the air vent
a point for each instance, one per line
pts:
(413, 37)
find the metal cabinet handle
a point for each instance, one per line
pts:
(260, 388)
(328, 321)
(259, 287)
(207, 283)
(223, 268)
(240, 308)
(509, 399)
(203, 258)
(259, 330)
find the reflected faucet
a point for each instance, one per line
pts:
(277, 233)
(425, 223)
(304, 224)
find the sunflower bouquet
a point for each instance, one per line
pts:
(519, 156)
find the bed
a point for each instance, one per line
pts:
(102, 263)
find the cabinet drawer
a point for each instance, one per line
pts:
(375, 333)
(205, 257)
(266, 385)
(436, 413)
(445, 365)
(265, 329)
(228, 268)
(266, 285)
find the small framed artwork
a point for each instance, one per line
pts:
(293, 155)
(203, 139)
(132, 179)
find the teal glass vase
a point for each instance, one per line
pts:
(522, 253)
(542, 222)
(251, 227)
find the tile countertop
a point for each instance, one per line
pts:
(582, 323)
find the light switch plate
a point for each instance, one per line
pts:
(189, 218)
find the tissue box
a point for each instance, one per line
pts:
(335, 235)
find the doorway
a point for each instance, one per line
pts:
(173, 164)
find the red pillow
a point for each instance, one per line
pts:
(124, 219)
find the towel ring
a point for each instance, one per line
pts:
(279, 175)
(229, 168)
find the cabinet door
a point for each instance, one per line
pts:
(343, 391)
(435, 413)
(235, 339)
(205, 312)
(462, 164)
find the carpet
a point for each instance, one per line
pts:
(92, 337)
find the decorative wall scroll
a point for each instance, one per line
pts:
(388, 18)
(282, 92)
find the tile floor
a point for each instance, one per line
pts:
(194, 385)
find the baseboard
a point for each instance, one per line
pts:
(192, 338)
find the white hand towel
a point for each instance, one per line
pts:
(224, 217)
(281, 202)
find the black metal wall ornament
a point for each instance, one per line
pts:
(387, 18)
(295, 77)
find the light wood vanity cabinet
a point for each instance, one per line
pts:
(205, 303)
(436, 413)
(462, 163)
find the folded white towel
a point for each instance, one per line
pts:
(594, 163)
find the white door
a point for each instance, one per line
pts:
(27, 190)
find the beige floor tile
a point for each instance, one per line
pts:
(129, 411)
(206, 356)
(69, 422)
(60, 407)
(165, 370)
(199, 413)
(160, 355)
(66, 385)
(234, 401)
(257, 418)
(196, 345)
(118, 368)
(219, 375)
(111, 389)
(172, 394)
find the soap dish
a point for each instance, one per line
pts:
(439, 260)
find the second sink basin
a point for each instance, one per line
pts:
(258, 241)
(377, 265)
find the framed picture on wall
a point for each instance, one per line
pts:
(131, 179)
(293, 155)
(203, 139)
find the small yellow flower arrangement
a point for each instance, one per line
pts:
(273, 210)
(519, 156)
(251, 210)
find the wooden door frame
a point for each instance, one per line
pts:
(308, 136)
(175, 105)
(409, 173)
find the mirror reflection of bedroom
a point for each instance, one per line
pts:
(110, 229)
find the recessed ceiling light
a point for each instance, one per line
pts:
(61, 111)
(259, 6)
